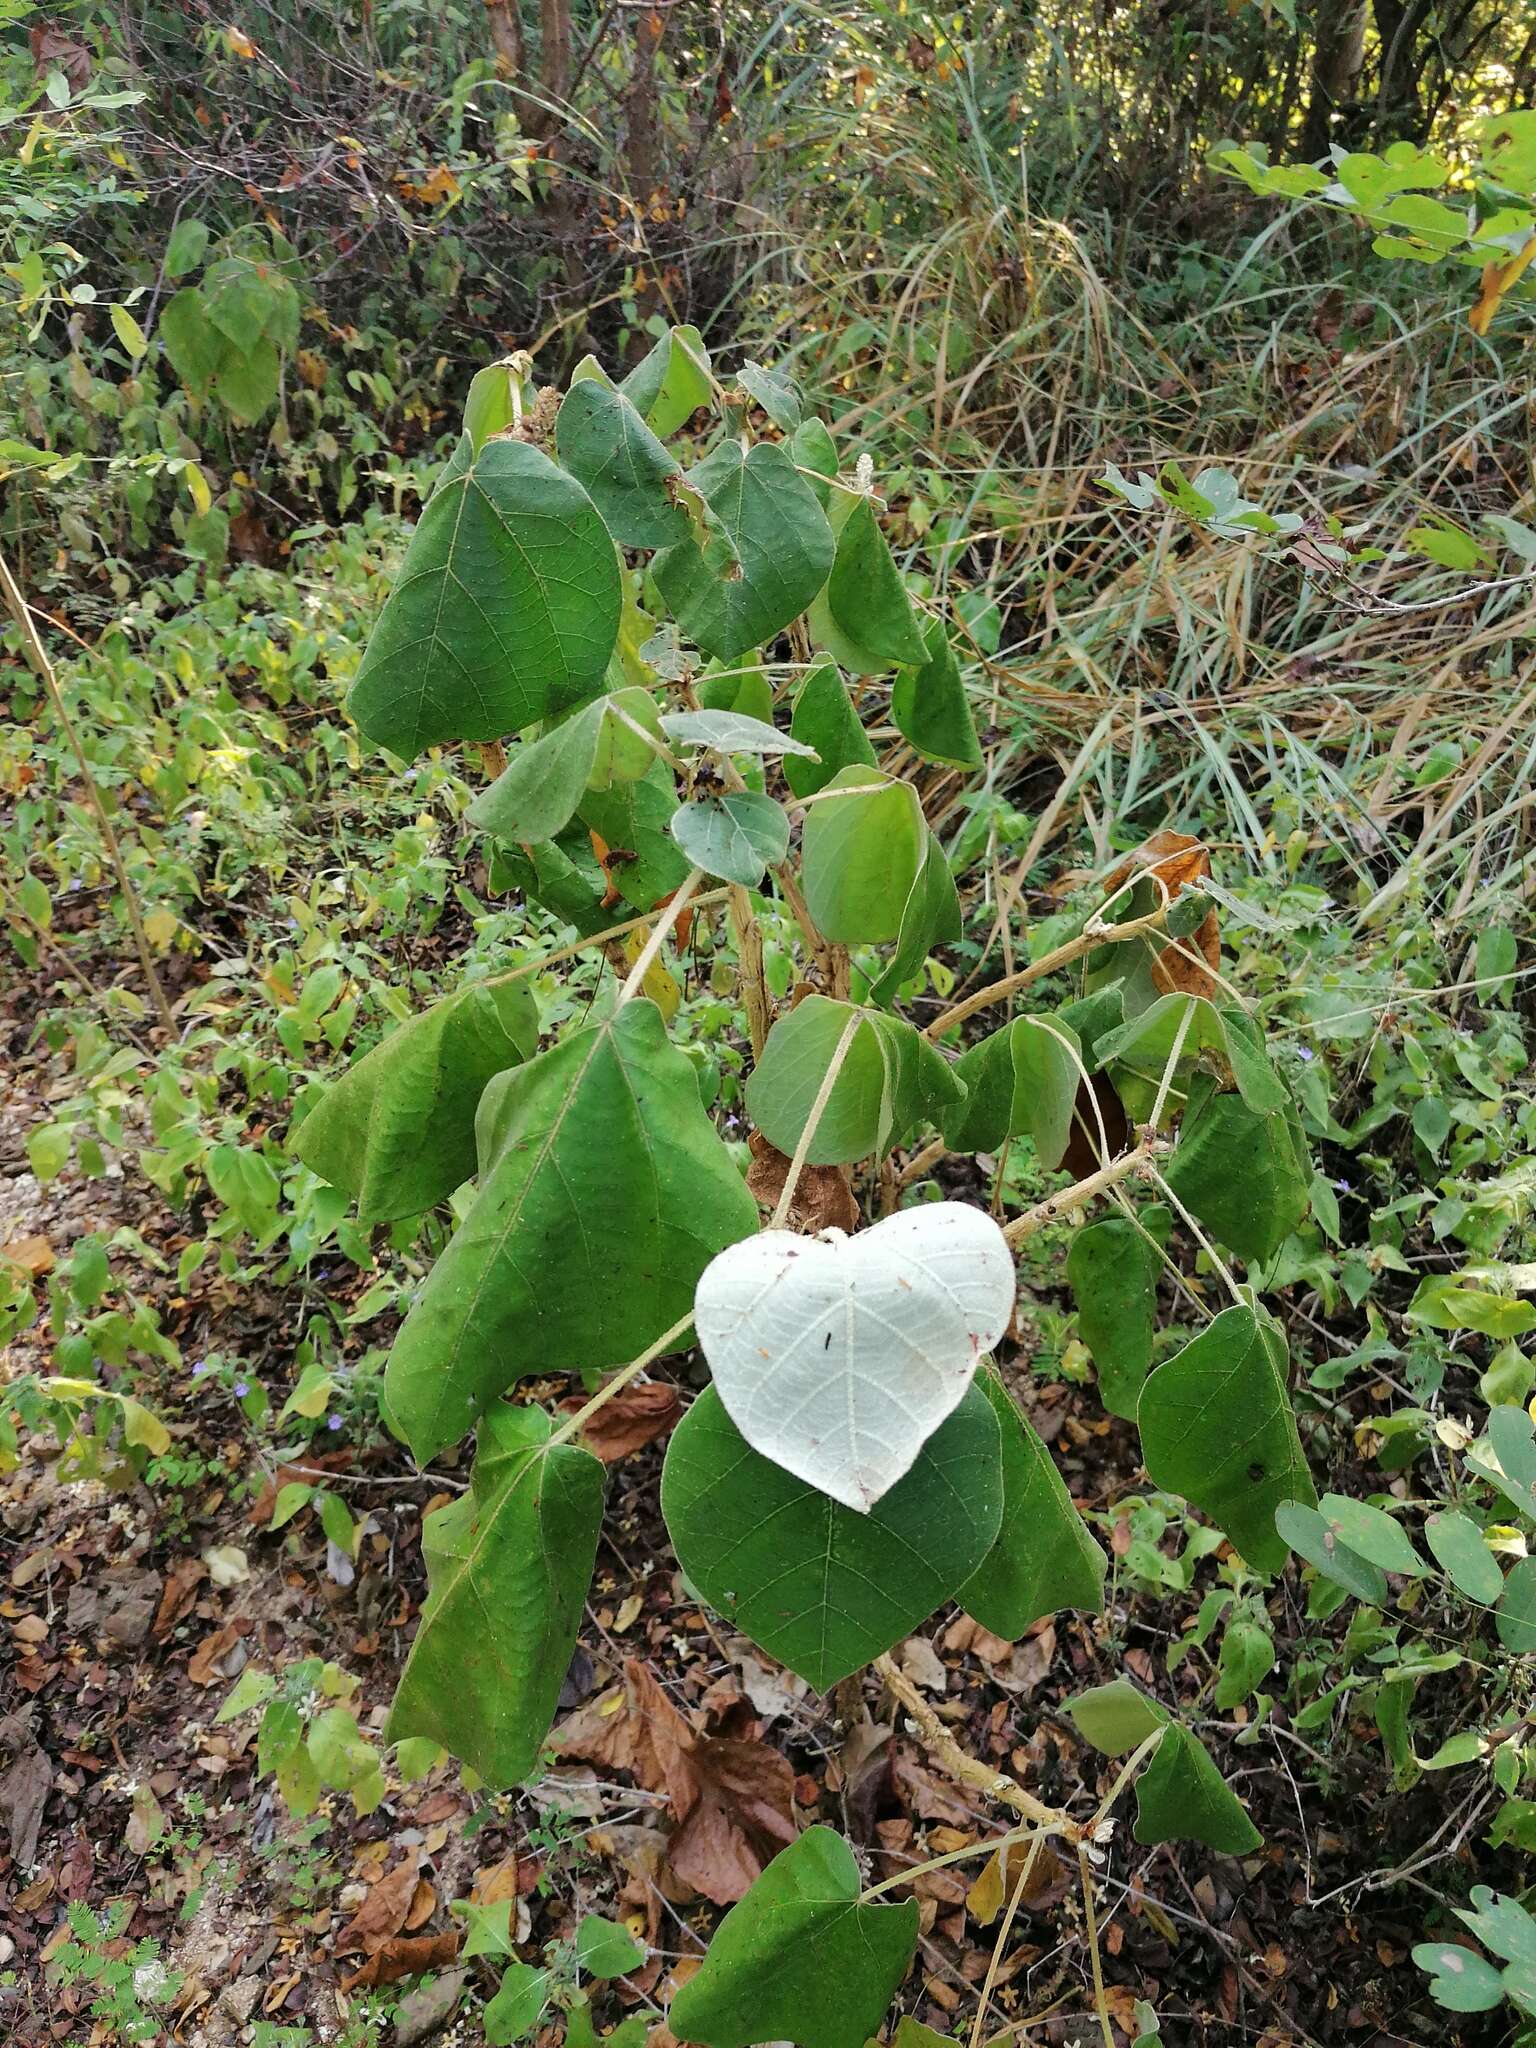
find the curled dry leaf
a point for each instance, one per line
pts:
(405, 1955)
(1047, 1882)
(383, 1913)
(733, 1798)
(636, 1416)
(823, 1197)
(1178, 862)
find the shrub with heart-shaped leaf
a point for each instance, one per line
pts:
(671, 612)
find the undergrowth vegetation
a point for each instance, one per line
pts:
(660, 693)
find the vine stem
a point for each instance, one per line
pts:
(818, 1107)
(613, 931)
(1138, 1160)
(1093, 934)
(635, 980)
(1090, 1921)
(620, 1380)
(37, 656)
(992, 1846)
(1015, 1901)
(969, 1770)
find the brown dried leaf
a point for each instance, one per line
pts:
(180, 1589)
(823, 1194)
(23, 1789)
(203, 1668)
(383, 1913)
(636, 1416)
(734, 1798)
(30, 1255)
(965, 1634)
(1179, 863)
(1047, 1880)
(405, 1955)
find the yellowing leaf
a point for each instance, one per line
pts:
(197, 487)
(658, 984)
(1496, 281)
(160, 927)
(141, 1428)
(129, 332)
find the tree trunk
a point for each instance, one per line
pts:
(555, 55)
(1399, 110)
(1337, 60)
(506, 25)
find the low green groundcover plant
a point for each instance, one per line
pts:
(712, 665)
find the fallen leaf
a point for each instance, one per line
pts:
(823, 1198)
(227, 1564)
(922, 1664)
(991, 1891)
(422, 2012)
(31, 1255)
(24, 1788)
(405, 1955)
(177, 1595)
(383, 1913)
(203, 1667)
(733, 1798)
(774, 1692)
(636, 1416)
(965, 1634)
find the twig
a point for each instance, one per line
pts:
(37, 655)
(620, 1380)
(1138, 1160)
(818, 1109)
(969, 1770)
(653, 945)
(1093, 935)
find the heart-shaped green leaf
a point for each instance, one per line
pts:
(1112, 1270)
(1217, 1427)
(890, 1080)
(825, 721)
(1247, 1178)
(1043, 1559)
(604, 1193)
(1022, 1079)
(823, 1588)
(509, 1564)
(735, 836)
(864, 618)
(397, 1131)
(621, 465)
(782, 544)
(799, 1958)
(506, 609)
(1180, 1796)
(545, 780)
(929, 707)
(861, 849)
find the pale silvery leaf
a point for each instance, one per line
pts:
(731, 732)
(838, 1357)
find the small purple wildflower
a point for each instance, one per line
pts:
(333, 1422)
(200, 1368)
(1345, 1187)
(1305, 1052)
(241, 1389)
